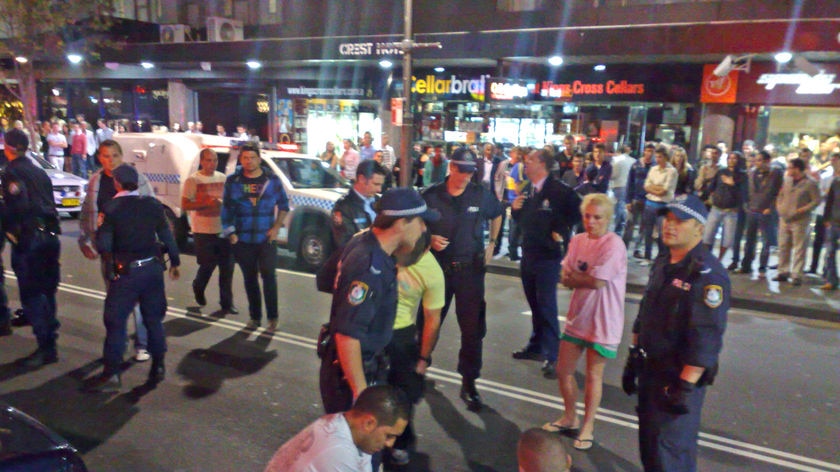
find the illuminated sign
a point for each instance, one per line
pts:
(369, 49)
(820, 84)
(550, 90)
(431, 85)
(718, 89)
(507, 90)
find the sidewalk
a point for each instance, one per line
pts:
(748, 291)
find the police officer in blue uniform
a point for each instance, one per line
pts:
(458, 245)
(677, 339)
(127, 239)
(355, 211)
(365, 299)
(546, 212)
(30, 221)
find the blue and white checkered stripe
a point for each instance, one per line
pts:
(302, 200)
(163, 178)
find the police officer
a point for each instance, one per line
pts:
(546, 211)
(458, 245)
(354, 211)
(30, 221)
(365, 299)
(128, 239)
(677, 338)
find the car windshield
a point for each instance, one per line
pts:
(41, 162)
(310, 173)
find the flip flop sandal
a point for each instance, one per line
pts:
(583, 444)
(559, 428)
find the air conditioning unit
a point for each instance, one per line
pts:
(223, 29)
(174, 33)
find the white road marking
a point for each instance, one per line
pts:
(711, 441)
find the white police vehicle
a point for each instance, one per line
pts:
(167, 159)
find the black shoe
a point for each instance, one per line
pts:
(514, 257)
(732, 267)
(796, 282)
(762, 270)
(780, 278)
(104, 383)
(41, 357)
(6, 329)
(744, 270)
(549, 370)
(774, 267)
(20, 319)
(158, 372)
(231, 310)
(638, 255)
(525, 354)
(199, 297)
(470, 395)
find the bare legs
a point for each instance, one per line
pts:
(593, 386)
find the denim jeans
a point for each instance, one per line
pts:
(259, 261)
(832, 240)
(729, 218)
(80, 165)
(620, 209)
(757, 221)
(651, 220)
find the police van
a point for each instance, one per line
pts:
(167, 159)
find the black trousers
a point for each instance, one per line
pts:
(258, 261)
(466, 285)
(404, 351)
(212, 251)
(36, 265)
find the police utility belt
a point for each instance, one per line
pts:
(460, 265)
(121, 268)
(642, 361)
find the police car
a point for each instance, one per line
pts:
(68, 189)
(27, 445)
(167, 159)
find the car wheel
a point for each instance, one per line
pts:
(315, 247)
(178, 228)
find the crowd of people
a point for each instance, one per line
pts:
(407, 257)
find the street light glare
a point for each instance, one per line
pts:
(22, 59)
(253, 64)
(147, 65)
(74, 58)
(783, 57)
(439, 69)
(555, 60)
(385, 64)
(600, 67)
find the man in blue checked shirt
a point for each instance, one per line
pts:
(253, 209)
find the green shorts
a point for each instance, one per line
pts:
(605, 351)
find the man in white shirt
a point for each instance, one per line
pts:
(57, 143)
(621, 164)
(202, 197)
(660, 185)
(346, 441)
(388, 156)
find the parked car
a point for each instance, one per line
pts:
(68, 189)
(27, 445)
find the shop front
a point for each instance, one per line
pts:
(776, 106)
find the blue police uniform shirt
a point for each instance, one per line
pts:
(365, 297)
(462, 219)
(682, 316)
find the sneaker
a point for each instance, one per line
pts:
(400, 457)
(142, 355)
(645, 262)
(272, 326)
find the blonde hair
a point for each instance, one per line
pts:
(600, 200)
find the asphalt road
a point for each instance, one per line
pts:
(233, 396)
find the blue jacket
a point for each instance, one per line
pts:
(636, 181)
(251, 222)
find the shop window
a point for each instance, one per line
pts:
(519, 5)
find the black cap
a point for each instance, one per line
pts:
(17, 139)
(126, 174)
(404, 202)
(464, 160)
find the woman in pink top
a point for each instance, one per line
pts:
(595, 266)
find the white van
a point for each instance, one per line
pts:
(167, 159)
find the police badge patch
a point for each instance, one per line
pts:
(713, 295)
(358, 292)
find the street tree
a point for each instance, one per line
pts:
(37, 33)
